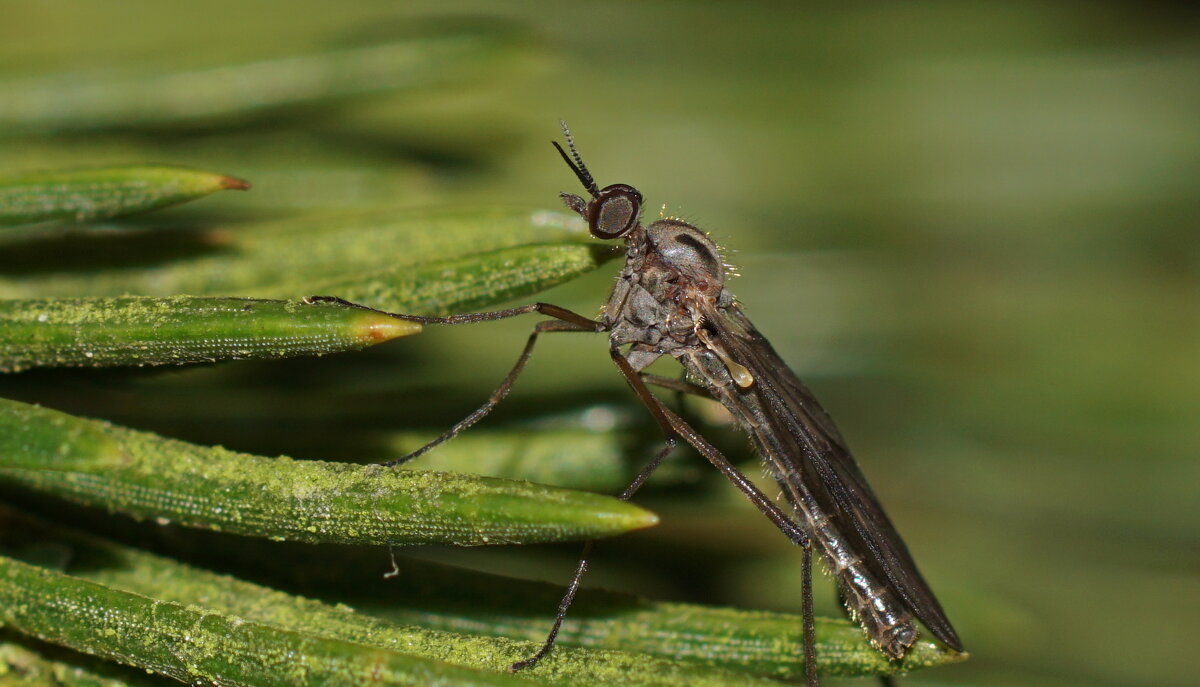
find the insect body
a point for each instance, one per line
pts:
(671, 300)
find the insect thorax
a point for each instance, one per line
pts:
(673, 278)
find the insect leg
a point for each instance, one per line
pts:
(565, 321)
(500, 392)
(679, 385)
(567, 600)
(806, 613)
(673, 425)
(554, 311)
(585, 556)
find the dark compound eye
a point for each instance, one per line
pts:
(614, 211)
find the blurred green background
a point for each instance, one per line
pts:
(972, 228)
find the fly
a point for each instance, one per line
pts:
(670, 300)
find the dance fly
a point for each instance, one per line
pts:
(671, 300)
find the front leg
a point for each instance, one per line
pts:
(555, 311)
(501, 391)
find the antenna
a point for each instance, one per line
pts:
(580, 169)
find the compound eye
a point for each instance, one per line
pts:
(614, 211)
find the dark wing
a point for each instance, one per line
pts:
(839, 486)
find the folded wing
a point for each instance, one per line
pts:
(817, 452)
